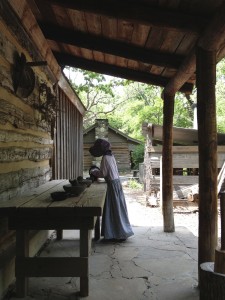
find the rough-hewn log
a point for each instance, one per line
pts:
(13, 154)
(207, 136)
(167, 164)
(211, 39)
(102, 44)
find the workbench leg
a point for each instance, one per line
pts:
(59, 234)
(22, 251)
(97, 229)
(85, 247)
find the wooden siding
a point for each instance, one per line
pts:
(183, 156)
(68, 140)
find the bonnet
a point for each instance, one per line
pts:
(100, 147)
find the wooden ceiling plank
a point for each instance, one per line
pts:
(187, 43)
(55, 14)
(69, 60)
(140, 34)
(109, 27)
(142, 13)
(62, 17)
(211, 39)
(171, 41)
(125, 30)
(111, 47)
(78, 20)
(156, 38)
(29, 22)
(46, 10)
(93, 23)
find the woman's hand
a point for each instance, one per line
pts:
(94, 172)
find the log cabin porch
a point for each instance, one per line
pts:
(172, 44)
(150, 265)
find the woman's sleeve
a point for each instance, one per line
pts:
(104, 166)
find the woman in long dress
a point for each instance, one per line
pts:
(115, 221)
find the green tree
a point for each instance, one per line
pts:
(127, 105)
(98, 94)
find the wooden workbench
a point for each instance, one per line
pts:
(36, 210)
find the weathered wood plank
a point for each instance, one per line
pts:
(38, 222)
(13, 154)
(28, 138)
(14, 203)
(52, 266)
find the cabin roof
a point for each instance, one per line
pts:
(129, 139)
(149, 41)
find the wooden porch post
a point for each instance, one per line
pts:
(167, 164)
(207, 137)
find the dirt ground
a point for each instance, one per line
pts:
(183, 216)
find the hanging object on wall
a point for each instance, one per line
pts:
(23, 76)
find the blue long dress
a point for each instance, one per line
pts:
(115, 221)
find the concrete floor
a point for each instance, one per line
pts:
(150, 265)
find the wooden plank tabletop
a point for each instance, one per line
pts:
(38, 202)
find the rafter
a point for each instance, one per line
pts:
(94, 66)
(109, 46)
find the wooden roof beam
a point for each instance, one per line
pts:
(212, 39)
(105, 45)
(130, 74)
(133, 12)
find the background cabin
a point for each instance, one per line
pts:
(185, 159)
(122, 145)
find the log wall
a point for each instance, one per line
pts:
(28, 153)
(26, 143)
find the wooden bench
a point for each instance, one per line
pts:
(36, 210)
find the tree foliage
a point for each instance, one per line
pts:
(127, 105)
(98, 94)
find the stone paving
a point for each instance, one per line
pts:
(150, 265)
